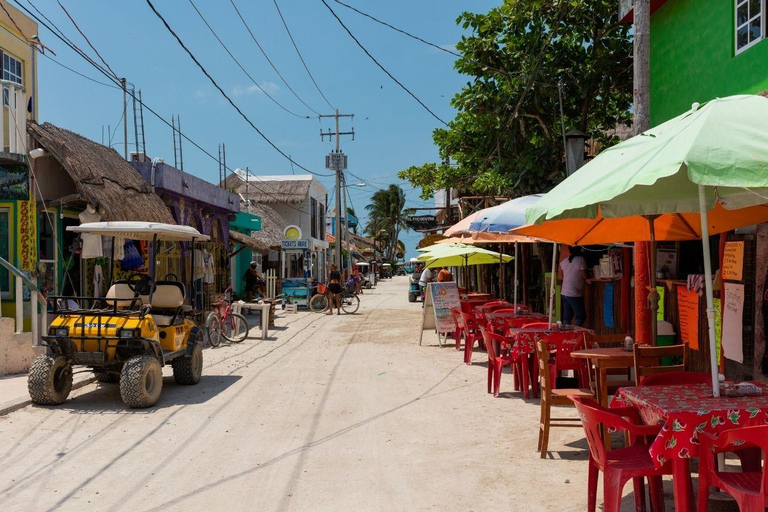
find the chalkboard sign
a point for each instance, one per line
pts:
(439, 300)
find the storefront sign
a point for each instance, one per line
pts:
(733, 313)
(26, 235)
(421, 222)
(718, 327)
(733, 261)
(295, 244)
(688, 312)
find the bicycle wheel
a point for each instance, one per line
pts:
(213, 328)
(318, 303)
(237, 329)
(350, 304)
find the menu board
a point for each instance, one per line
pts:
(444, 297)
(688, 313)
(733, 313)
(733, 261)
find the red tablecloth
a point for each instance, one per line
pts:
(501, 322)
(686, 410)
(523, 341)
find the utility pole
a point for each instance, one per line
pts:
(346, 225)
(337, 161)
(644, 324)
(248, 188)
(125, 119)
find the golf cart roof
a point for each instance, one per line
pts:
(386, 265)
(362, 264)
(133, 230)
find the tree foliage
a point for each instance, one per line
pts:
(386, 218)
(506, 138)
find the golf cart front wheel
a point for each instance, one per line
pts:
(141, 382)
(50, 380)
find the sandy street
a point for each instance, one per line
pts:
(331, 414)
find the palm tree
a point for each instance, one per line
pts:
(386, 218)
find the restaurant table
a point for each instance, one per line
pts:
(521, 342)
(468, 306)
(685, 411)
(602, 359)
(503, 321)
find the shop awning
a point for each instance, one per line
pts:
(249, 242)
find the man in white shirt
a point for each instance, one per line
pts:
(574, 269)
(426, 278)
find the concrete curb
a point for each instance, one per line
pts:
(19, 403)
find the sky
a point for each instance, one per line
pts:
(392, 131)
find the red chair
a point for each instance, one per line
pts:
(471, 335)
(495, 362)
(564, 361)
(676, 378)
(459, 323)
(748, 488)
(623, 464)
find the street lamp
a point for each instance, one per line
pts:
(574, 150)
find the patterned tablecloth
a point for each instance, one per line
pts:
(501, 322)
(687, 410)
(520, 342)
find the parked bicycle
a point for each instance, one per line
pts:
(224, 323)
(350, 302)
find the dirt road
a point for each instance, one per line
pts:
(333, 413)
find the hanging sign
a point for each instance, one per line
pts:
(688, 312)
(733, 314)
(718, 328)
(660, 313)
(733, 261)
(294, 244)
(27, 235)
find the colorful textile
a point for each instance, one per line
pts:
(686, 411)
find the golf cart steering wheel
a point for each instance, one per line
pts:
(140, 283)
(169, 276)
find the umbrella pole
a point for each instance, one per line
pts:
(708, 287)
(552, 282)
(501, 272)
(515, 282)
(653, 295)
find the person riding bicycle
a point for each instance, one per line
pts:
(335, 289)
(254, 282)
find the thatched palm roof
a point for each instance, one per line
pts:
(101, 176)
(270, 190)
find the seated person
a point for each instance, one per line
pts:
(254, 282)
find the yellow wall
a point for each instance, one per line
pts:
(16, 43)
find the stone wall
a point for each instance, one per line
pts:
(16, 350)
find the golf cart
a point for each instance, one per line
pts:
(128, 336)
(369, 279)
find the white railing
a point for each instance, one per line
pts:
(16, 113)
(38, 319)
(271, 283)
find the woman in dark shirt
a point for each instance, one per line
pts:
(334, 289)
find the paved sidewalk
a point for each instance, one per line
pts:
(14, 394)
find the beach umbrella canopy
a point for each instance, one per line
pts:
(460, 255)
(703, 172)
(504, 217)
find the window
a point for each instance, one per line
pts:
(749, 23)
(5, 230)
(11, 69)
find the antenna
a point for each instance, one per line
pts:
(173, 127)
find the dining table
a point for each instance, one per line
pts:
(521, 342)
(602, 359)
(686, 411)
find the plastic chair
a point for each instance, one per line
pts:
(471, 335)
(550, 397)
(495, 362)
(564, 361)
(748, 488)
(648, 360)
(459, 323)
(621, 465)
(676, 378)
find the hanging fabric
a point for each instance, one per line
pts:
(91, 243)
(98, 280)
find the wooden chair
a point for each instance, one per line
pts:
(556, 397)
(613, 341)
(648, 360)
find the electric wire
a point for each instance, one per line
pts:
(229, 100)
(295, 46)
(241, 66)
(390, 75)
(87, 40)
(263, 52)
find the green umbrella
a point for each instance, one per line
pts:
(711, 160)
(457, 255)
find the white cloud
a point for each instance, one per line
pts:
(269, 87)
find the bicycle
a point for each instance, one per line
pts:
(350, 302)
(222, 322)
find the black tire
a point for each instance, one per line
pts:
(50, 380)
(350, 304)
(141, 382)
(237, 328)
(213, 328)
(411, 297)
(188, 369)
(318, 303)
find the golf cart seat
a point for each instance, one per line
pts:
(167, 303)
(121, 290)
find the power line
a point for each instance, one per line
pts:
(417, 38)
(300, 57)
(87, 40)
(74, 47)
(218, 87)
(263, 52)
(240, 65)
(390, 75)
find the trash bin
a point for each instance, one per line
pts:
(665, 336)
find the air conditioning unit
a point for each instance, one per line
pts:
(138, 156)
